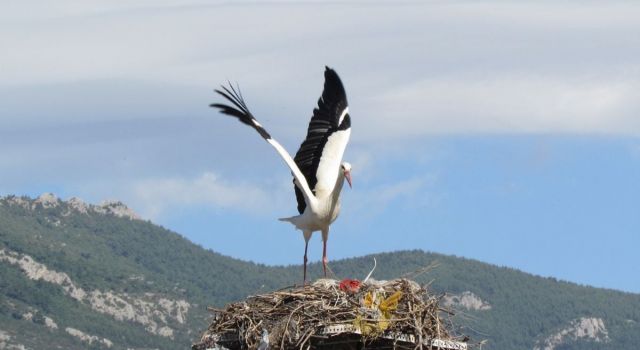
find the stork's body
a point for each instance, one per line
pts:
(317, 168)
(319, 217)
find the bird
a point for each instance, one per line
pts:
(318, 170)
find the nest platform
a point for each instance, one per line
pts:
(329, 314)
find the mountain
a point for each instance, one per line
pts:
(78, 276)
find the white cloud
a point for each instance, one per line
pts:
(375, 199)
(503, 104)
(410, 69)
(384, 195)
(157, 197)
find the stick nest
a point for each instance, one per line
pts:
(293, 318)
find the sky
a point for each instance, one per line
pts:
(506, 132)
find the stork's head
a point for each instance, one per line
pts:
(346, 170)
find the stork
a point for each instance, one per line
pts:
(318, 170)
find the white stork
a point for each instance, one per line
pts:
(317, 169)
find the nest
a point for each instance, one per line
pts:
(400, 311)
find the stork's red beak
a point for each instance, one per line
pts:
(347, 175)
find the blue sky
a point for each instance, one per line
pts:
(505, 132)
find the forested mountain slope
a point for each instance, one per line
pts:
(77, 276)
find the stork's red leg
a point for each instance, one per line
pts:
(325, 237)
(324, 257)
(306, 245)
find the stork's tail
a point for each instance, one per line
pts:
(294, 220)
(291, 219)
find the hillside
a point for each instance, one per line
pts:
(77, 276)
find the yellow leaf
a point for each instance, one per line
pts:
(358, 323)
(391, 303)
(365, 327)
(383, 324)
(368, 300)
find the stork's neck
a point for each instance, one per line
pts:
(339, 183)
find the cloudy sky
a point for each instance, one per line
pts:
(507, 132)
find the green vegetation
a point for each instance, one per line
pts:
(131, 257)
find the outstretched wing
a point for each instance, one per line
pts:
(240, 110)
(320, 154)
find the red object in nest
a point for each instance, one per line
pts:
(350, 286)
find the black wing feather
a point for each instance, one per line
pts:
(240, 111)
(323, 123)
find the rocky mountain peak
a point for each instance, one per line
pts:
(116, 208)
(49, 200)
